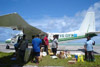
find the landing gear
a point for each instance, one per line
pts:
(7, 47)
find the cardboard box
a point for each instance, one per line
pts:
(74, 59)
(71, 62)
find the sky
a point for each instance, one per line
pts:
(50, 15)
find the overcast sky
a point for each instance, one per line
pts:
(50, 15)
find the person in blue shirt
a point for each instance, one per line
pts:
(89, 49)
(36, 43)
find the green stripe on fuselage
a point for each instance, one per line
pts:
(69, 38)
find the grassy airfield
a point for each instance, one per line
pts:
(5, 61)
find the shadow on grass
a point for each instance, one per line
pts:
(5, 60)
(82, 50)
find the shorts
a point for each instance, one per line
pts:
(36, 53)
(54, 50)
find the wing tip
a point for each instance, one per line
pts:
(9, 14)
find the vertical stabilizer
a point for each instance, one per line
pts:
(88, 24)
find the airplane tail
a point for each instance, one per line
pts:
(88, 24)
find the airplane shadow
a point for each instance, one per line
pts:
(82, 50)
(11, 48)
(6, 61)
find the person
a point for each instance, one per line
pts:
(16, 46)
(22, 47)
(89, 49)
(46, 43)
(32, 55)
(36, 43)
(54, 45)
(85, 52)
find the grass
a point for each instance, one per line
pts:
(46, 61)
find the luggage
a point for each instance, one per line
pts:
(71, 62)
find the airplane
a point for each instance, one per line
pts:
(13, 40)
(87, 27)
(15, 22)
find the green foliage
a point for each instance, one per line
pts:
(50, 41)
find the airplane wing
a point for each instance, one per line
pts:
(92, 34)
(97, 32)
(15, 21)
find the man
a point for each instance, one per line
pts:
(22, 47)
(36, 42)
(89, 49)
(16, 46)
(54, 45)
(85, 52)
(46, 43)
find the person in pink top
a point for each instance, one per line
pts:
(46, 43)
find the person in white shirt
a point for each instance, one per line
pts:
(54, 45)
(89, 49)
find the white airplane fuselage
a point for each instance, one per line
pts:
(88, 25)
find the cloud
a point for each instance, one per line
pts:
(96, 9)
(6, 33)
(65, 23)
